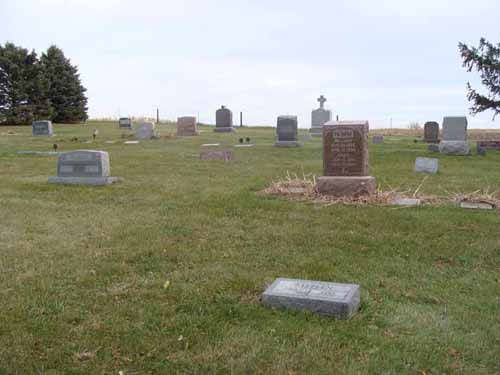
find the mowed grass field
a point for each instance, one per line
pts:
(162, 273)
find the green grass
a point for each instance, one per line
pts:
(83, 269)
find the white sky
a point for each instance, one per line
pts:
(372, 59)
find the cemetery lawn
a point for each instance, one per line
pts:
(162, 273)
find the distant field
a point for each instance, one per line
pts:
(162, 273)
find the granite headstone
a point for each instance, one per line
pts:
(145, 130)
(431, 132)
(224, 120)
(427, 165)
(42, 129)
(454, 136)
(287, 132)
(320, 117)
(125, 123)
(186, 126)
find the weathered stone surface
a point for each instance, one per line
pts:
(345, 148)
(431, 132)
(83, 167)
(42, 129)
(145, 130)
(125, 123)
(378, 139)
(186, 126)
(223, 120)
(346, 186)
(287, 132)
(427, 165)
(340, 301)
(454, 148)
(455, 128)
(433, 147)
(477, 205)
(225, 155)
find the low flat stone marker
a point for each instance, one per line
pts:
(131, 142)
(224, 120)
(186, 126)
(489, 145)
(244, 146)
(408, 202)
(340, 301)
(210, 145)
(378, 139)
(287, 132)
(83, 167)
(42, 129)
(477, 205)
(454, 136)
(125, 123)
(44, 153)
(225, 155)
(427, 165)
(345, 160)
(431, 132)
(145, 130)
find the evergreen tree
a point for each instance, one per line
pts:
(23, 90)
(486, 60)
(65, 91)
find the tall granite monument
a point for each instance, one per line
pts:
(320, 117)
(454, 136)
(345, 160)
(223, 120)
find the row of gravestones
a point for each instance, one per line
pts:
(454, 140)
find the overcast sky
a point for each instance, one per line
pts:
(373, 60)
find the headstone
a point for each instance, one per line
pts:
(42, 128)
(224, 120)
(225, 155)
(125, 123)
(210, 144)
(145, 130)
(83, 167)
(407, 202)
(431, 132)
(378, 139)
(454, 136)
(287, 132)
(345, 160)
(320, 117)
(340, 301)
(131, 142)
(477, 205)
(427, 165)
(432, 147)
(186, 126)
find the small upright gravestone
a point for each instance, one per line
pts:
(431, 132)
(378, 139)
(223, 120)
(454, 136)
(427, 165)
(42, 128)
(145, 130)
(345, 160)
(287, 132)
(320, 117)
(83, 167)
(186, 126)
(125, 123)
(340, 301)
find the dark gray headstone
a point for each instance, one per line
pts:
(287, 132)
(42, 128)
(340, 301)
(125, 123)
(431, 132)
(86, 167)
(378, 139)
(224, 120)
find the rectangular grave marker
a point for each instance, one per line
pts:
(42, 128)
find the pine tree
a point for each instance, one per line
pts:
(23, 91)
(65, 91)
(486, 60)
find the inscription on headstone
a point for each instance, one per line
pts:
(330, 299)
(42, 128)
(87, 167)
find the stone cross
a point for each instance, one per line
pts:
(321, 101)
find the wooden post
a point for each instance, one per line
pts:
(157, 116)
(241, 119)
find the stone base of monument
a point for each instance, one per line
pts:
(346, 186)
(454, 148)
(288, 144)
(340, 301)
(94, 181)
(224, 130)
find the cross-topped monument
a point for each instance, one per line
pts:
(322, 101)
